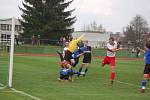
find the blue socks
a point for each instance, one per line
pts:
(144, 84)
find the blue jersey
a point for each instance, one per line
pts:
(76, 54)
(82, 49)
(86, 49)
(147, 56)
(64, 71)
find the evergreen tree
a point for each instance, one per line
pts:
(48, 19)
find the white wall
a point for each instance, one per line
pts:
(95, 39)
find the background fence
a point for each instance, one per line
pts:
(47, 46)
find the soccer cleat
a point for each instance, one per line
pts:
(58, 52)
(83, 75)
(78, 75)
(102, 65)
(59, 79)
(142, 90)
(112, 82)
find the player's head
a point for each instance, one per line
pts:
(67, 44)
(86, 43)
(80, 44)
(148, 45)
(111, 40)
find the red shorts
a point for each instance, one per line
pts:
(109, 60)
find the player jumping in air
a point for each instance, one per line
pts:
(111, 49)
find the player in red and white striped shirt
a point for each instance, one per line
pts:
(111, 49)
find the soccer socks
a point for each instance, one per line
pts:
(144, 84)
(83, 71)
(80, 69)
(60, 55)
(112, 76)
(86, 70)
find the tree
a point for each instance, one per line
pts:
(135, 31)
(48, 19)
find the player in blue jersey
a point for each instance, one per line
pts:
(86, 50)
(147, 66)
(65, 74)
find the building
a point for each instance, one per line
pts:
(5, 29)
(95, 39)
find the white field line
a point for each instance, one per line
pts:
(2, 86)
(130, 84)
(36, 98)
(26, 94)
(20, 92)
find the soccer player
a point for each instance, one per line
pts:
(86, 59)
(67, 74)
(111, 49)
(147, 66)
(72, 47)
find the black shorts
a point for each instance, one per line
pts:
(68, 56)
(87, 58)
(64, 77)
(147, 69)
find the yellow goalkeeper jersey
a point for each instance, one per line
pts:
(73, 44)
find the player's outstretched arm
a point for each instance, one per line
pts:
(116, 49)
(78, 39)
(141, 49)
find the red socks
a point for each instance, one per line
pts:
(112, 76)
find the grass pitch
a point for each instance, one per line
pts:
(36, 76)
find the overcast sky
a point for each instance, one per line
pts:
(112, 14)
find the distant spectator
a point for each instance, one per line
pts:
(38, 40)
(8, 46)
(64, 41)
(61, 41)
(33, 39)
(137, 53)
(118, 44)
(17, 40)
(21, 39)
(70, 38)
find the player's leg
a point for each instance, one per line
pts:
(60, 55)
(144, 82)
(86, 70)
(145, 77)
(148, 77)
(76, 61)
(71, 75)
(105, 61)
(87, 62)
(82, 69)
(113, 75)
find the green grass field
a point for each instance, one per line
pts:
(37, 76)
(52, 50)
